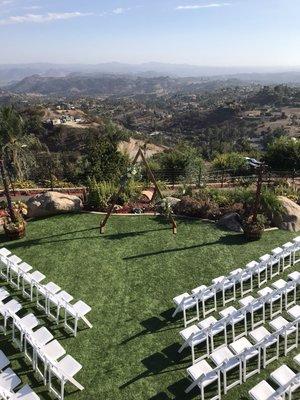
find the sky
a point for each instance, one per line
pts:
(198, 32)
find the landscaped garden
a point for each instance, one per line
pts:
(129, 276)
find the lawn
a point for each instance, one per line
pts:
(129, 277)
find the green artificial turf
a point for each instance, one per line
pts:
(129, 276)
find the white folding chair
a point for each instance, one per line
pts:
(185, 302)
(267, 340)
(225, 359)
(12, 261)
(22, 325)
(25, 393)
(294, 312)
(206, 297)
(8, 310)
(287, 288)
(296, 248)
(35, 340)
(51, 352)
(4, 361)
(57, 300)
(64, 370)
(227, 285)
(297, 359)
(262, 391)
(243, 276)
(9, 380)
(272, 297)
(245, 348)
(283, 376)
(43, 292)
(287, 257)
(294, 276)
(275, 262)
(4, 294)
(203, 375)
(262, 269)
(286, 329)
(236, 317)
(29, 282)
(193, 337)
(16, 271)
(77, 311)
(217, 328)
(4, 253)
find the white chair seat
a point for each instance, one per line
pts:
(202, 368)
(280, 284)
(220, 355)
(80, 308)
(53, 350)
(24, 267)
(265, 291)
(14, 260)
(50, 287)
(4, 361)
(282, 375)
(262, 391)
(297, 359)
(60, 298)
(259, 334)
(227, 311)
(187, 332)
(3, 294)
(40, 337)
(9, 380)
(28, 322)
(35, 276)
(240, 345)
(207, 322)
(294, 276)
(4, 252)
(178, 299)
(25, 393)
(13, 306)
(245, 301)
(281, 322)
(199, 289)
(294, 312)
(217, 280)
(67, 366)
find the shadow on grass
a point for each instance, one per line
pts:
(228, 240)
(164, 362)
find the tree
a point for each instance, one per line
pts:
(284, 154)
(234, 163)
(101, 159)
(18, 147)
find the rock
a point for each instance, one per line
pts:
(231, 221)
(289, 218)
(51, 203)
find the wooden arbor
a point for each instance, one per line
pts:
(139, 154)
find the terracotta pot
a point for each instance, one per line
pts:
(16, 233)
(253, 233)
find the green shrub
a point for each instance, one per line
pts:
(191, 207)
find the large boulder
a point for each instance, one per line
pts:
(231, 221)
(289, 218)
(51, 203)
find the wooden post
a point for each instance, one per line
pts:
(7, 193)
(157, 190)
(258, 192)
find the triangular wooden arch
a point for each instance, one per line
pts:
(157, 190)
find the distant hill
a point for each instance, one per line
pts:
(15, 72)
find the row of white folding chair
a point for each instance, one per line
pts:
(239, 353)
(286, 380)
(9, 381)
(44, 349)
(46, 295)
(208, 328)
(203, 294)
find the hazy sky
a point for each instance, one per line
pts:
(202, 32)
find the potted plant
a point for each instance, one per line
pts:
(14, 229)
(254, 228)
